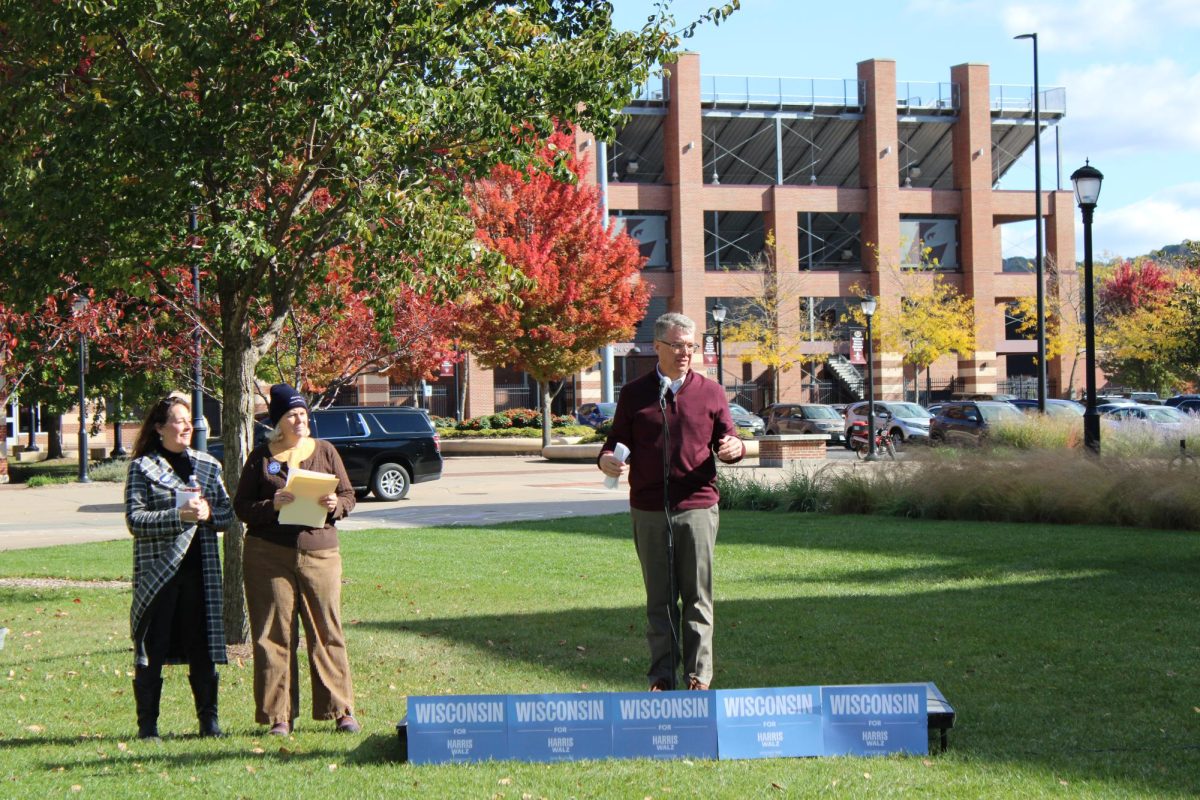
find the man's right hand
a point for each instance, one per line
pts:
(611, 466)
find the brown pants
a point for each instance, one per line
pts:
(281, 584)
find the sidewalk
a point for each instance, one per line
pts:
(473, 490)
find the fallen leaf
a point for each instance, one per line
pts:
(76, 788)
(927, 762)
(505, 781)
(867, 775)
(1063, 783)
(257, 751)
(581, 648)
(332, 767)
(122, 746)
(776, 786)
(250, 768)
(34, 728)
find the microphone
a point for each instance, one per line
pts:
(664, 383)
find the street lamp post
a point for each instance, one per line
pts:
(868, 309)
(118, 450)
(199, 423)
(1038, 266)
(79, 306)
(1087, 180)
(718, 315)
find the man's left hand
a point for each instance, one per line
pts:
(729, 449)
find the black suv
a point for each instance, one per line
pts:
(385, 449)
(967, 421)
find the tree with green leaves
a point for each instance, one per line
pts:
(291, 130)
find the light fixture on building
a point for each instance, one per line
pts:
(631, 166)
(847, 255)
(812, 179)
(716, 181)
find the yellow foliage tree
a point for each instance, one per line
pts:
(765, 331)
(932, 319)
(1065, 332)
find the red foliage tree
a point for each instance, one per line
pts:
(1134, 285)
(582, 287)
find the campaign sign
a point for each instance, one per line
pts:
(782, 722)
(559, 727)
(664, 724)
(875, 719)
(457, 728)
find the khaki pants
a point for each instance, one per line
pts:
(695, 534)
(281, 584)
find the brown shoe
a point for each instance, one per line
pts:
(695, 684)
(280, 729)
(659, 685)
(348, 724)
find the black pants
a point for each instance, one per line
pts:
(178, 625)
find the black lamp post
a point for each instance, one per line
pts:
(199, 423)
(118, 450)
(33, 428)
(1087, 181)
(868, 309)
(718, 315)
(79, 306)
(1038, 267)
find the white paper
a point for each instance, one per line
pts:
(308, 487)
(621, 453)
(185, 496)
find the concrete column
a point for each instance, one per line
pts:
(683, 156)
(1065, 377)
(878, 173)
(976, 230)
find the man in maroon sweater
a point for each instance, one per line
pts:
(684, 512)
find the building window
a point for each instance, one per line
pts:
(830, 242)
(649, 229)
(929, 243)
(733, 240)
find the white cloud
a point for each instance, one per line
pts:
(1130, 108)
(1166, 217)
(1083, 26)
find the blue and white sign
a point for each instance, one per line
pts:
(782, 722)
(457, 728)
(875, 719)
(559, 727)
(664, 724)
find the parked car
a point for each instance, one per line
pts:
(1147, 398)
(751, 423)
(968, 421)
(1054, 407)
(1190, 406)
(1180, 399)
(1163, 418)
(812, 418)
(385, 449)
(595, 414)
(909, 421)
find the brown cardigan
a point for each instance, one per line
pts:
(254, 501)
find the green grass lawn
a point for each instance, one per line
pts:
(1070, 654)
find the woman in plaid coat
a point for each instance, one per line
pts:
(175, 502)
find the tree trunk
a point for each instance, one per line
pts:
(54, 436)
(928, 384)
(237, 426)
(547, 398)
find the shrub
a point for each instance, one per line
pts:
(46, 480)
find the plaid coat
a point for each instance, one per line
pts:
(160, 540)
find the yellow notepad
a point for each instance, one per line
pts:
(308, 487)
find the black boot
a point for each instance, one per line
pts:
(147, 690)
(204, 690)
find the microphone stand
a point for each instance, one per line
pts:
(674, 615)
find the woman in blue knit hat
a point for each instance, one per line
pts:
(294, 571)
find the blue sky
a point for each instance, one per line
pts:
(1131, 70)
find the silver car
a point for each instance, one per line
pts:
(908, 422)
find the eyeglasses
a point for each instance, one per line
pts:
(680, 347)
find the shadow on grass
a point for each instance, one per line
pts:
(1075, 651)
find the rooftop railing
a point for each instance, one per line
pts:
(756, 90)
(1012, 97)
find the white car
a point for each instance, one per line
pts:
(908, 421)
